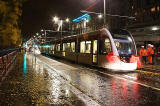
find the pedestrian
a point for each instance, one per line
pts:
(153, 53)
(149, 50)
(143, 54)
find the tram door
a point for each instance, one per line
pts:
(94, 57)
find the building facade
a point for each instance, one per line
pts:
(146, 25)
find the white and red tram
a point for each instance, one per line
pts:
(113, 49)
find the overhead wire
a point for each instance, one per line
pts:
(92, 5)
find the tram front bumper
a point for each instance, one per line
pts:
(122, 66)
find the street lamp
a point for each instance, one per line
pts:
(100, 16)
(55, 19)
(154, 28)
(61, 23)
(44, 33)
(37, 33)
(67, 20)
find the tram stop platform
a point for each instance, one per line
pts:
(152, 68)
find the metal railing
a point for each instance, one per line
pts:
(7, 58)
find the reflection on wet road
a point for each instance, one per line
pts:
(121, 89)
(44, 81)
(30, 84)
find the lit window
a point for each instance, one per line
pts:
(108, 45)
(132, 7)
(66, 47)
(58, 47)
(88, 47)
(95, 46)
(153, 9)
(105, 46)
(52, 47)
(72, 46)
(85, 47)
(158, 8)
(82, 47)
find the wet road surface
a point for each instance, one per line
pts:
(30, 84)
(45, 81)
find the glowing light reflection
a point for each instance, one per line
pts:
(116, 64)
(114, 86)
(67, 92)
(124, 89)
(25, 64)
(135, 91)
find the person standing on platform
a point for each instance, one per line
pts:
(149, 50)
(143, 54)
(153, 53)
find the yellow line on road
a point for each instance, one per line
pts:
(118, 77)
(148, 72)
(131, 81)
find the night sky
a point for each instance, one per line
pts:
(37, 14)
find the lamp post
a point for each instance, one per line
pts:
(68, 21)
(60, 24)
(44, 33)
(104, 13)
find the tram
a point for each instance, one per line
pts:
(113, 49)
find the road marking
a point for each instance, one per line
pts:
(111, 75)
(148, 72)
(126, 79)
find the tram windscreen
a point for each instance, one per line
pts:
(124, 44)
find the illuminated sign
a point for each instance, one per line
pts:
(47, 46)
(85, 16)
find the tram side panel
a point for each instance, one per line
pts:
(58, 51)
(102, 61)
(85, 51)
(72, 56)
(69, 49)
(104, 47)
(85, 58)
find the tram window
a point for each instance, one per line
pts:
(95, 46)
(105, 46)
(124, 47)
(117, 44)
(66, 47)
(85, 47)
(72, 46)
(88, 47)
(58, 47)
(82, 47)
(52, 47)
